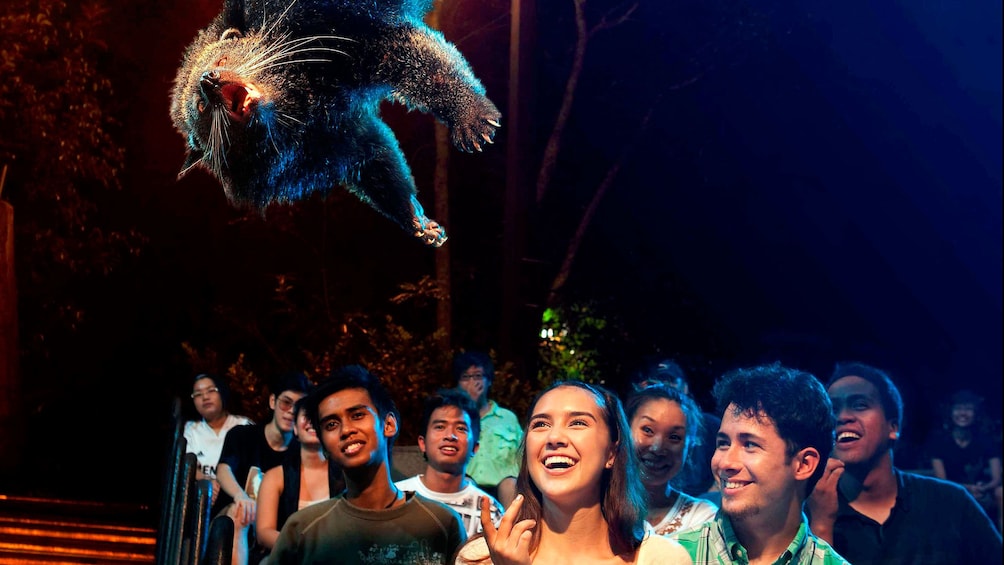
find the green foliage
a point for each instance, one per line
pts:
(568, 344)
(410, 363)
(60, 149)
(510, 392)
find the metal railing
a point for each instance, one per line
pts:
(187, 535)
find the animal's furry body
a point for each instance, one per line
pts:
(278, 99)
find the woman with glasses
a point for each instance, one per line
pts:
(204, 436)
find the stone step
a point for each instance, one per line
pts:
(34, 530)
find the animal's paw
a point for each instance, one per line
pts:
(430, 232)
(475, 127)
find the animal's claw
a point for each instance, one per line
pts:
(472, 130)
(430, 232)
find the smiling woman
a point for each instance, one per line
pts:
(665, 425)
(579, 491)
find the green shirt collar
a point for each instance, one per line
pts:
(738, 553)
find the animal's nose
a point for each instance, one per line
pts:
(211, 79)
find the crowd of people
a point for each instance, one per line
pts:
(786, 468)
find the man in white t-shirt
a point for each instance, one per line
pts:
(205, 436)
(451, 427)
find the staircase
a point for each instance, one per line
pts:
(50, 531)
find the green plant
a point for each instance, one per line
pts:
(568, 344)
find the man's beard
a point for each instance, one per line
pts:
(744, 513)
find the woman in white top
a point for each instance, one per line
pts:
(665, 424)
(205, 436)
(579, 498)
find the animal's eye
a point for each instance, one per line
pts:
(232, 33)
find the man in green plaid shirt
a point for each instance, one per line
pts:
(776, 435)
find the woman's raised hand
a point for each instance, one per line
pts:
(510, 543)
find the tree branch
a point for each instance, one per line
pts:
(608, 180)
(550, 158)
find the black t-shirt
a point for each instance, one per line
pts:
(934, 522)
(967, 465)
(243, 448)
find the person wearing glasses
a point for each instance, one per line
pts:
(249, 451)
(204, 436)
(495, 466)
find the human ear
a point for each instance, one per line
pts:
(805, 463)
(390, 426)
(612, 456)
(421, 444)
(894, 431)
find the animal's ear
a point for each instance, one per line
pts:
(191, 160)
(233, 14)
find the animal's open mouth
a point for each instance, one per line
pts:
(240, 99)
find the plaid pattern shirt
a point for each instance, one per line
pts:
(715, 543)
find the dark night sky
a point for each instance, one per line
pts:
(830, 188)
(834, 195)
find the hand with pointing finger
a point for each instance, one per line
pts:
(510, 543)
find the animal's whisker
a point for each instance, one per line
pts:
(283, 47)
(280, 17)
(255, 56)
(216, 149)
(266, 62)
(269, 51)
(226, 128)
(287, 116)
(282, 63)
(271, 137)
(225, 143)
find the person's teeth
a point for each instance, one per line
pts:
(352, 448)
(558, 461)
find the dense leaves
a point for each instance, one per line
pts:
(56, 114)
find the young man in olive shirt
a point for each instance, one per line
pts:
(372, 522)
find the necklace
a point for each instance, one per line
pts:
(397, 493)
